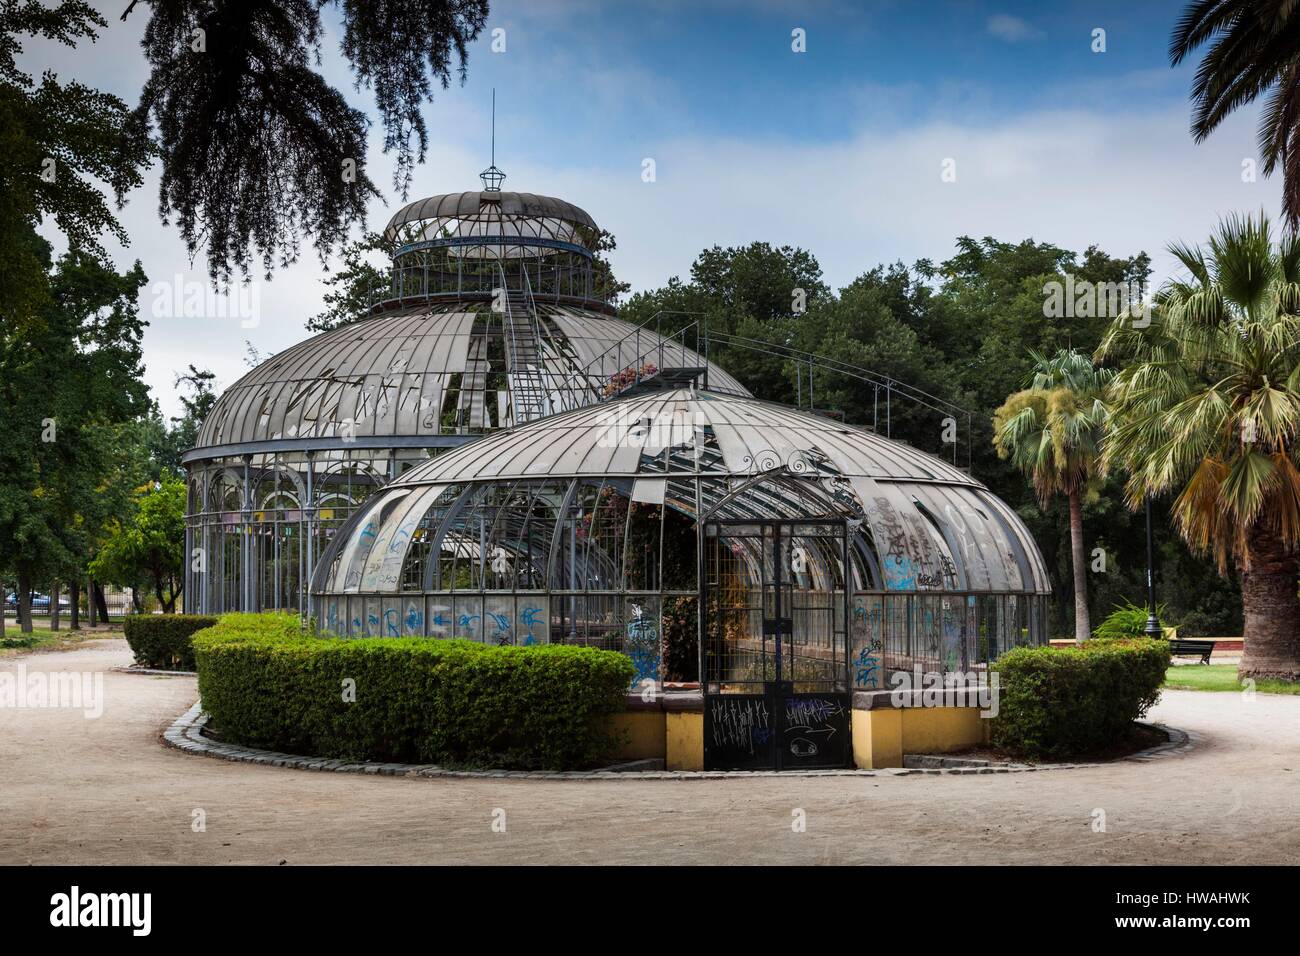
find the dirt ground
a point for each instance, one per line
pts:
(86, 791)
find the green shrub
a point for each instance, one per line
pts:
(1128, 620)
(425, 700)
(1073, 701)
(163, 640)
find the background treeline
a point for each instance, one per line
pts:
(962, 330)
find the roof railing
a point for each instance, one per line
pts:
(645, 350)
(612, 372)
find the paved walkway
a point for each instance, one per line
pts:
(74, 790)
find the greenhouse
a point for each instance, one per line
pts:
(702, 533)
(492, 454)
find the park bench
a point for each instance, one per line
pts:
(1180, 647)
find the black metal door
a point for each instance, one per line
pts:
(776, 677)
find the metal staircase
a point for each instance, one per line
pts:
(528, 393)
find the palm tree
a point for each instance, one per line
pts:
(1052, 431)
(1208, 406)
(1254, 50)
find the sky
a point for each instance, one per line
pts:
(840, 149)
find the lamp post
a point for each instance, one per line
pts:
(1152, 628)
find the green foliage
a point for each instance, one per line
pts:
(1052, 431)
(1251, 53)
(251, 99)
(149, 545)
(60, 142)
(350, 288)
(163, 640)
(604, 284)
(1074, 701)
(197, 396)
(70, 339)
(1223, 678)
(268, 685)
(1206, 411)
(1128, 620)
(69, 383)
(1207, 405)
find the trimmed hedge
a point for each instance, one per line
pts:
(163, 640)
(267, 684)
(1073, 701)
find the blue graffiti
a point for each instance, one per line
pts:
(414, 620)
(501, 625)
(868, 667)
(899, 574)
(643, 647)
(529, 619)
(467, 620)
(440, 621)
(390, 622)
(399, 540)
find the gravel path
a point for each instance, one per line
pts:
(105, 790)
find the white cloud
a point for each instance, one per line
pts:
(1127, 180)
(1012, 29)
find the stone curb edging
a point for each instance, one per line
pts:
(151, 671)
(185, 734)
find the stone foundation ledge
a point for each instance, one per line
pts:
(185, 734)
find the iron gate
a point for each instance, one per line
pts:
(775, 668)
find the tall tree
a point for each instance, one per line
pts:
(197, 394)
(60, 141)
(757, 291)
(1207, 407)
(234, 95)
(149, 546)
(1254, 51)
(1052, 431)
(68, 376)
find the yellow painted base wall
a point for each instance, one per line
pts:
(685, 741)
(882, 736)
(937, 730)
(877, 739)
(675, 737)
(643, 734)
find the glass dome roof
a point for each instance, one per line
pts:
(414, 376)
(930, 526)
(487, 213)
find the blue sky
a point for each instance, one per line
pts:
(838, 149)
(727, 69)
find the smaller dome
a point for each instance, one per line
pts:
(926, 525)
(491, 213)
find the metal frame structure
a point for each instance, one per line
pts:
(491, 453)
(587, 526)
